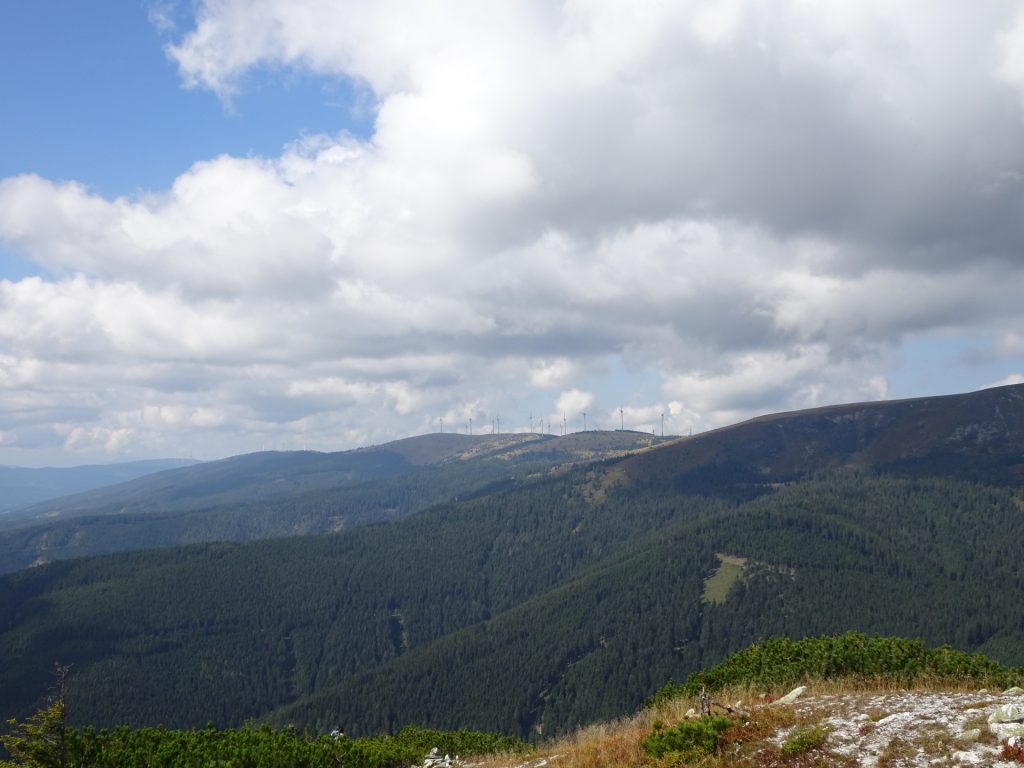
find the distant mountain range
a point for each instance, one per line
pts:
(523, 584)
(262, 495)
(22, 486)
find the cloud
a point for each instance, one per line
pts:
(756, 204)
(552, 374)
(573, 402)
(1013, 378)
(161, 16)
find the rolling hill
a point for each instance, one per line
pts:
(23, 486)
(270, 494)
(562, 596)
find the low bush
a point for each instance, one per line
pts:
(262, 747)
(780, 662)
(804, 741)
(690, 738)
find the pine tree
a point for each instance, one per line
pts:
(40, 740)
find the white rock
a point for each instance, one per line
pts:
(1004, 731)
(972, 735)
(1015, 691)
(1007, 713)
(790, 697)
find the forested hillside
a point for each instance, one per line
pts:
(876, 554)
(267, 495)
(546, 601)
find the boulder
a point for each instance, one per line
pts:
(790, 697)
(1015, 691)
(1006, 730)
(1007, 713)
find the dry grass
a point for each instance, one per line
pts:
(605, 745)
(755, 743)
(896, 753)
(981, 723)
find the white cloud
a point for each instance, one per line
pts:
(552, 374)
(1010, 49)
(572, 403)
(753, 203)
(1012, 378)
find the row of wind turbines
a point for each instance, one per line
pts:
(564, 426)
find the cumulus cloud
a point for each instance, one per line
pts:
(756, 204)
(573, 401)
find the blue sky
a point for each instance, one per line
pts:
(91, 96)
(226, 225)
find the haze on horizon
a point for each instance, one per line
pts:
(228, 225)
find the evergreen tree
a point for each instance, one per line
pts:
(40, 741)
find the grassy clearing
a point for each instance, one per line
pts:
(716, 588)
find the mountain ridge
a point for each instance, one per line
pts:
(880, 434)
(572, 593)
(269, 494)
(23, 486)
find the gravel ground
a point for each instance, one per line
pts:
(902, 729)
(912, 728)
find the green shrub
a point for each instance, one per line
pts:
(43, 740)
(253, 747)
(460, 742)
(804, 741)
(781, 662)
(689, 738)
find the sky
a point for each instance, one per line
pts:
(240, 225)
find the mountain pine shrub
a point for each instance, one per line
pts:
(781, 662)
(690, 739)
